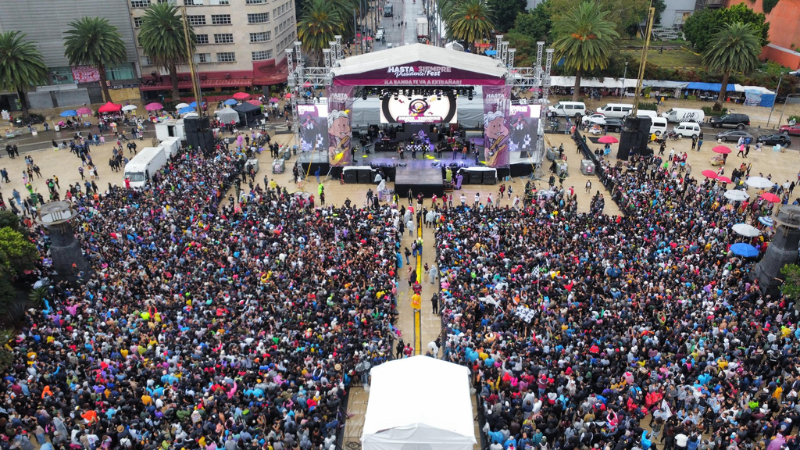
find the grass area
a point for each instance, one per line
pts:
(669, 58)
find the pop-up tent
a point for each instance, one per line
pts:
(226, 115)
(248, 114)
(420, 403)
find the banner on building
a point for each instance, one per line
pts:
(313, 127)
(524, 127)
(340, 135)
(85, 74)
(496, 103)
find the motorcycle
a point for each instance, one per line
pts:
(673, 136)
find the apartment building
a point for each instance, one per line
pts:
(239, 44)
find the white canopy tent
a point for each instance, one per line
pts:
(226, 115)
(419, 402)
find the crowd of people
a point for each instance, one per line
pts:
(206, 322)
(589, 331)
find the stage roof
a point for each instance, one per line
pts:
(419, 65)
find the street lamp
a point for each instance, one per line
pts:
(777, 93)
(624, 74)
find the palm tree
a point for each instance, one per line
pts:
(585, 40)
(734, 48)
(469, 20)
(92, 41)
(21, 65)
(163, 41)
(320, 22)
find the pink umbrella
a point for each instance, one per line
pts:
(254, 102)
(721, 149)
(241, 95)
(306, 84)
(770, 197)
(274, 100)
(84, 111)
(710, 174)
(608, 140)
(155, 106)
(288, 95)
(725, 180)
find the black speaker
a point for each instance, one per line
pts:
(634, 137)
(351, 177)
(489, 178)
(192, 124)
(201, 139)
(475, 177)
(364, 176)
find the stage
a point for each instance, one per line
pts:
(417, 172)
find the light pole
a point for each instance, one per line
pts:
(784, 106)
(777, 93)
(624, 74)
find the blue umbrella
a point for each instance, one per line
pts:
(230, 101)
(188, 109)
(194, 104)
(69, 113)
(490, 52)
(746, 250)
(766, 221)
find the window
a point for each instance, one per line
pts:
(146, 61)
(137, 22)
(258, 18)
(220, 2)
(201, 39)
(226, 57)
(203, 57)
(61, 75)
(262, 55)
(223, 38)
(197, 20)
(255, 2)
(193, 2)
(260, 37)
(121, 72)
(221, 19)
(140, 3)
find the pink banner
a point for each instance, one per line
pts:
(340, 134)
(85, 74)
(496, 102)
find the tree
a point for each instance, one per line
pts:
(506, 12)
(535, 24)
(585, 40)
(470, 21)
(791, 284)
(10, 220)
(163, 40)
(16, 252)
(92, 41)
(700, 27)
(734, 48)
(21, 66)
(625, 14)
(319, 24)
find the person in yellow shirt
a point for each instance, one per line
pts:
(416, 302)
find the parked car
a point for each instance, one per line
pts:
(733, 135)
(774, 139)
(793, 130)
(738, 121)
(594, 119)
(614, 124)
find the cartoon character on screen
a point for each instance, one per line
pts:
(496, 145)
(338, 137)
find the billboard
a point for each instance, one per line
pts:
(313, 127)
(496, 103)
(523, 127)
(419, 109)
(340, 133)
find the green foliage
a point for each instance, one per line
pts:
(626, 15)
(768, 5)
(735, 48)
(506, 12)
(791, 283)
(9, 220)
(318, 25)
(38, 295)
(701, 26)
(535, 23)
(712, 112)
(16, 252)
(652, 106)
(660, 7)
(6, 355)
(470, 20)
(791, 118)
(93, 41)
(163, 39)
(21, 65)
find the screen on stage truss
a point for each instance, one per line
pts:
(418, 109)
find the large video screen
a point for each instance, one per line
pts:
(419, 109)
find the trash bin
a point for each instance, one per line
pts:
(279, 166)
(562, 167)
(587, 167)
(552, 152)
(251, 163)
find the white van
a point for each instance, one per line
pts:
(569, 109)
(658, 126)
(618, 110)
(687, 129)
(144, 165)
(684, 115)
(646, 113)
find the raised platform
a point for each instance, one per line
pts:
(429, 181)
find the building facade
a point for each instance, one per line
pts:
(239, 44)
(676, 13)
(784, 31)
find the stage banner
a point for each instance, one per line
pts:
(496, 103)
(524, 127)
(340, 135)
(313, 127)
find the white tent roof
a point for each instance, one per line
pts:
(419, 400)
(227, 114)
(607, 82)
(413, 53)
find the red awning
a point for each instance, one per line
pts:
(268, 73)
(109, 107)
(208, 83)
